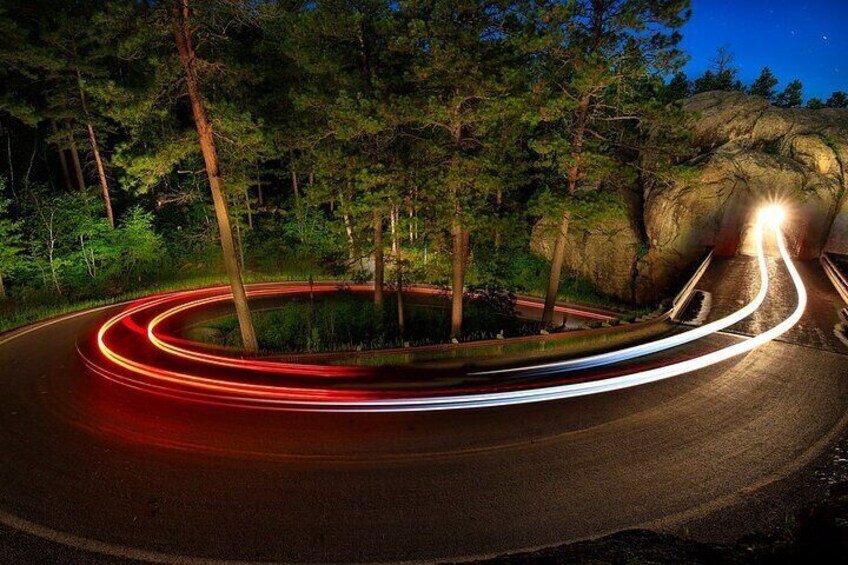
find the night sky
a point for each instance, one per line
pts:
(800, 39)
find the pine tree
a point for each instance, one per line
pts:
(184, 36)
(764, 85)
(838, 99)
(722, 74)
(583, 94)
(705, 83)
(678, 88)
(55, 73)
(458, 91)
(815, 104)
(350, 79)
(791, 96)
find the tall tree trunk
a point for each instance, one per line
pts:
(296, 191)
(393, 227)
(556, 270)
(458, 279)
(2, 287)
(399, 282)
(559, 244)
(379, 265)
(248, 207)
(239, 243)
(295, 188)
(459, 251)
(75, 158)
(351, 251)
(259, 195)
(498, 205)
(63, 162)
(101, 171)
(205, 133)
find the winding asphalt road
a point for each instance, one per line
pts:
(94, 472)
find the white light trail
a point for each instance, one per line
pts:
(635, 351)
(593, 387)
(222, 391)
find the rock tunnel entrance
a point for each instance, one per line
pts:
(805, 232)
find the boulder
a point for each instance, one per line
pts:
(603, 254)
(746, 154)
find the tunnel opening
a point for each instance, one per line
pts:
(804, 232)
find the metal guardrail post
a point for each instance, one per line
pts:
(840, 282)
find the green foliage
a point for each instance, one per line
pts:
(815, 104)
(586, 209)
(791, 96)
(145, 167)
(72, 244)
(678, 88)
(764, 85)
(10, 243)
(685, 174)
(594, 118)
(722, 74)
(590, 209)
(140, 245)
(838, 99)
(431, 113)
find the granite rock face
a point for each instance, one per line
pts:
(747, 153)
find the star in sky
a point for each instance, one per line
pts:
(755, 32)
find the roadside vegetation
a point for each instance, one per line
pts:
(347, 322)
(174, 143)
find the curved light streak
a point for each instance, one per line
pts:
(614, 383)
(676, 340)
(288, 368)
(200, 386)
(273, 367)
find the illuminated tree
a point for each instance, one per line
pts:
(184, 35)
(458, 92)
(56, 71)
(596, 54)
(10, 250)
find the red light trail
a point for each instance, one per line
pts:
(136, 348)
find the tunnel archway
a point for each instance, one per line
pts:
(806, 229)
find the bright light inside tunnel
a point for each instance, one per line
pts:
(773, 215)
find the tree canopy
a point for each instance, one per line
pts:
(142, 138)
